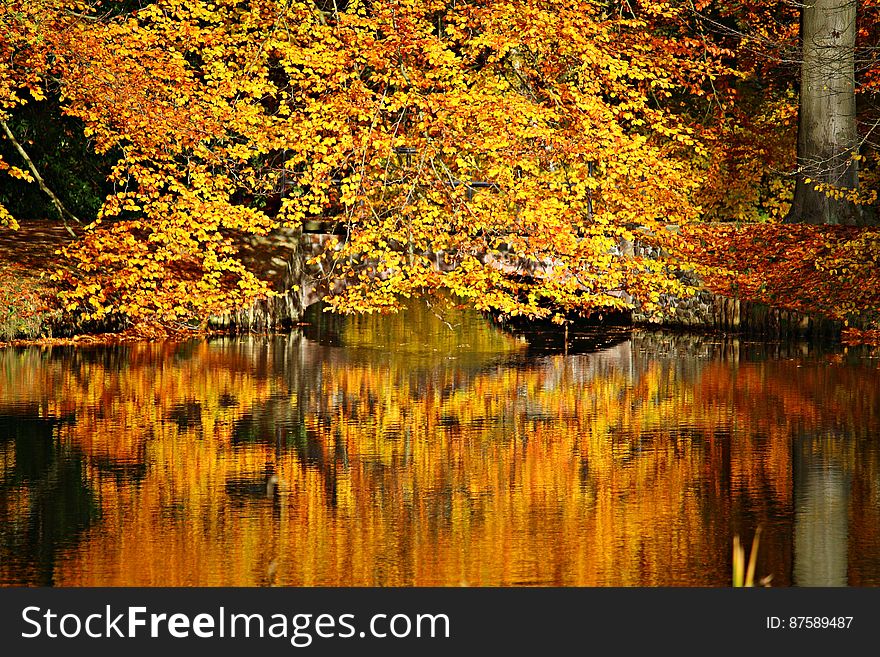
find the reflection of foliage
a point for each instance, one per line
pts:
(609, 468)
(463, 336)
(59, 504)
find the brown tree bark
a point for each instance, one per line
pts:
(827, 133)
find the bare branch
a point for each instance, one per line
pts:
(63, 211)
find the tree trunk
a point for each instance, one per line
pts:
(827, 134)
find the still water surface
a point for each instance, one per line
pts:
(426, 450)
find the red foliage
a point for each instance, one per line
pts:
(833, 271)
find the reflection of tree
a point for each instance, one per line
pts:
(821, 531)
(400, 465)
(58, 507)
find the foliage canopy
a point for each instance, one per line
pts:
(504, 152)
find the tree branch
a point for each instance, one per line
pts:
(63, 211)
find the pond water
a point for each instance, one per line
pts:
(432, 448)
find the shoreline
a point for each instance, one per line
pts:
(847, 337)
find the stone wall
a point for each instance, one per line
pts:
(282, 257)
(277, 257)
(706, 310)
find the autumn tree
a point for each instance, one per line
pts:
(500, 152)
(804, 88)
(567, 115)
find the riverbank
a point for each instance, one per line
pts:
(27, 310)
(819, 273)
(796, 275)
(30, 313)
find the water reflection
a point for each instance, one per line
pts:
(431, 448)
(46, 503)
(821, 525)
